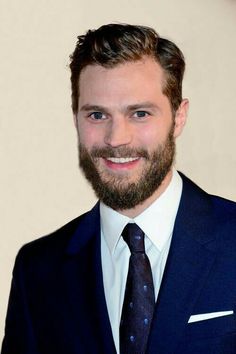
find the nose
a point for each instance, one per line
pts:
(119, 132)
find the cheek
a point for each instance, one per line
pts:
(152, 136)
(149, 137)
(89, 135)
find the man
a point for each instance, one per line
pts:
(99, 285)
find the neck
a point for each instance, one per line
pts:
(138, 209)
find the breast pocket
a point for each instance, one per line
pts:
(213, 327)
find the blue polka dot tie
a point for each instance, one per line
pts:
(139, 301)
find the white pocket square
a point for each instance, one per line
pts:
(208, 316)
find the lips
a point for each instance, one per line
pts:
(121, 160)
(121, 163)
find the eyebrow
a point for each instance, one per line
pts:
(133, 107)
(90, 107)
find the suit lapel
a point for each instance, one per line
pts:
(190, 260)
(85, 292)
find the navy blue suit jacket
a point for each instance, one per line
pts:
(57, 303)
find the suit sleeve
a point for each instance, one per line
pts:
(19, 333)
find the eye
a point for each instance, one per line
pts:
(97, 115)
(141, 114)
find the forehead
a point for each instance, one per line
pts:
(139, 78)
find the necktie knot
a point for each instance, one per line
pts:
(134, 237)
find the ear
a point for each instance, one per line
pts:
(181, 117)
(75, 117)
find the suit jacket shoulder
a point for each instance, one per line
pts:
(63, 240)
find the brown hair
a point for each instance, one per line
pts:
(115, 44)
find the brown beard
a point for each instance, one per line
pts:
(116, 191)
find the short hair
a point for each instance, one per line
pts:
(114, 44)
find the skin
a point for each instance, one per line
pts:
(124, 107)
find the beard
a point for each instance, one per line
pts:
(115, 190)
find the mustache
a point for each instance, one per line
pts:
(122, 151)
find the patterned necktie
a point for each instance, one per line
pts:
(139, 301)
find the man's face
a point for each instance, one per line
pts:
(126, 131)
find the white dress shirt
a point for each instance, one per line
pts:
(157, 222)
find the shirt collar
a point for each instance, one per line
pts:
(157, 221)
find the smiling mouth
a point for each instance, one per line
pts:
(122, 159)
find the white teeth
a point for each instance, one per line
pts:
(122, 159)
